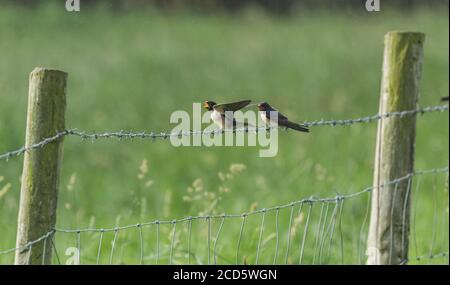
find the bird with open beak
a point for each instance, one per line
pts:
(267, 113)
(222, 114)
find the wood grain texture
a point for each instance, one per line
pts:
(41, 167)
(394, 154)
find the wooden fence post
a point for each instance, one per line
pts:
(41, 167)
(394, 155)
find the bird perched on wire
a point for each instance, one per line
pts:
(444, 99)
(222, 114)
(265, 112)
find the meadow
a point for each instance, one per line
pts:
(131, 70)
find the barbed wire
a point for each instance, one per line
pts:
(368, 119)
(336, 200)
(166, 135)
(428, 256)
(40, 144)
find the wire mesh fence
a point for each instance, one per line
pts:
(313, 230)
(308, 231)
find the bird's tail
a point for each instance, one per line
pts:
(294, 126)
(444, 99)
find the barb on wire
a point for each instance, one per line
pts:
(166, 135)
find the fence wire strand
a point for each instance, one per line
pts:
(261, 230)
(216, 240)
(305, 233)
(319, 225)
(277, 237)
(289, 234)
(99, 247)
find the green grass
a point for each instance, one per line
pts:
(131, 70)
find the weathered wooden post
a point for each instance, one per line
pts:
(394, 155)
(41, 166)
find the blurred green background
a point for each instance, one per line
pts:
(130, 68)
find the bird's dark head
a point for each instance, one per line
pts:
(209, 105)
(263, 106)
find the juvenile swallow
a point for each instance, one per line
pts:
(222, 119)
(444, 99)
(265, 110)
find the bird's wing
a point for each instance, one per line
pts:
(281, 117)
(234, 106)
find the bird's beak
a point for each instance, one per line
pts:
(206, 105)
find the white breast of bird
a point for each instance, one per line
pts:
(267, 120)
(216, 117)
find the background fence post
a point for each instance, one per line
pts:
(41, 167)
(394, 155)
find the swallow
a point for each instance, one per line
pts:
(265, 110)
(444, 99)
(222, 119)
